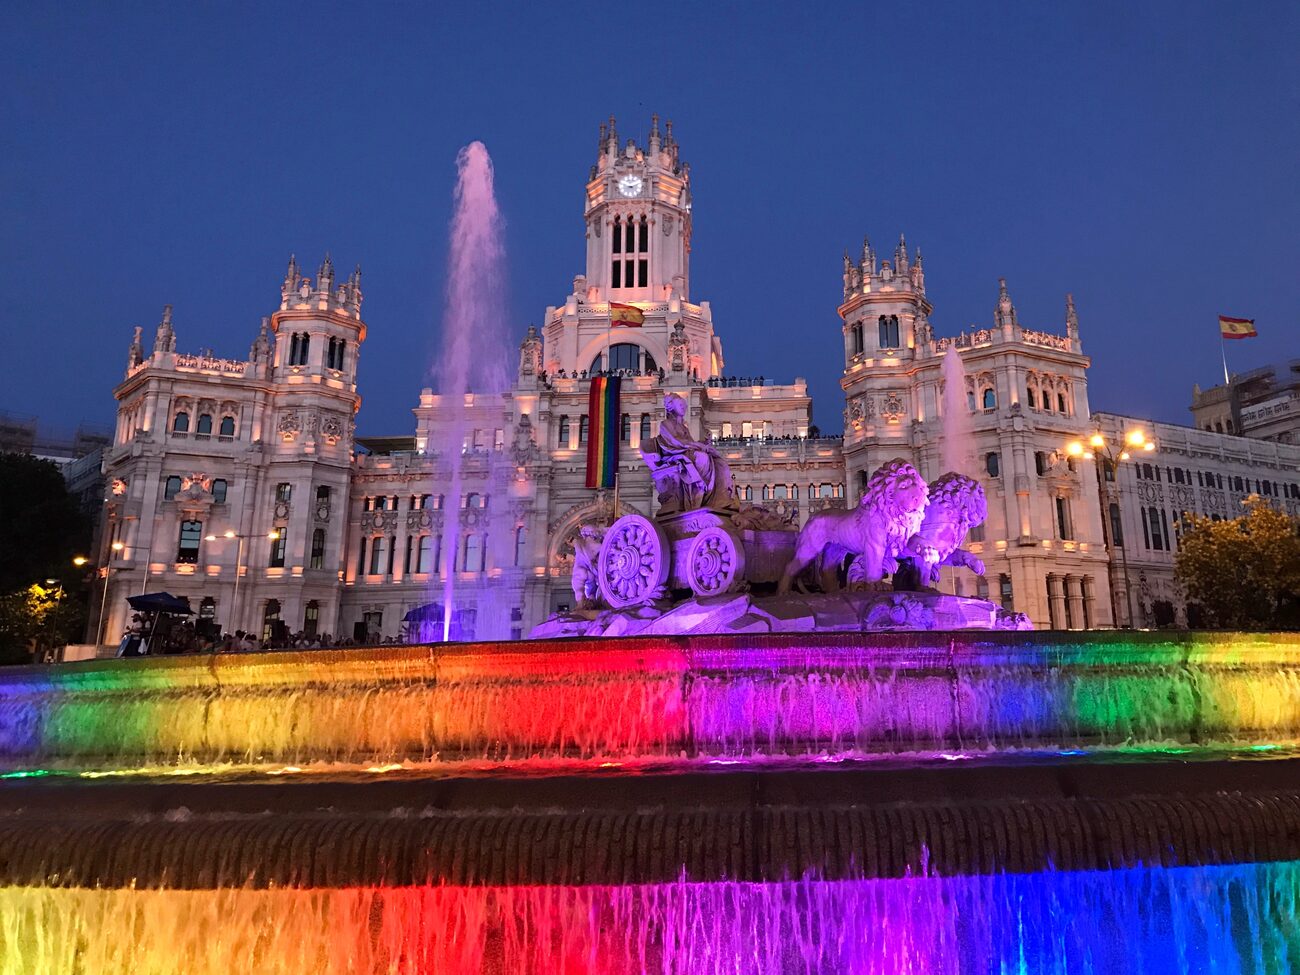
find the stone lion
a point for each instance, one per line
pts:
(956, 505)
(876, 531)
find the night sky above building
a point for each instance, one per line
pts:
(1141, 156)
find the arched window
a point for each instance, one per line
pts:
(888, 331)
(293, 349)
(624, 356)
(993, 464)
(989, 399)
(618, 238)
(318, 549)
(749, 493)
(473, 557)
(204, 427)
(334, 354)
(227, 428)
(181, 424)
(859, 343)
(311, 618)
(582, 428)
(1031, 397)
(1060, 404)
(1040, 463)
(625, 428)
(187, 549)
(270, 619)
(172, 487)
(377, 563)
(563, 439)
(219, 491)
(645, 427)
(521, 542)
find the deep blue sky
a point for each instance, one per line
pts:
(1144, 156)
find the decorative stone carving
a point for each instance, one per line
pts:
(530, 353)
(687, 473)
(891, 409)
(524, 449)
(876, 531)
(633, 562)
(289, 425)
(586, 558)
(715, 562)
(331, 428)
(678, 348)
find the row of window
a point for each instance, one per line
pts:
(203, 425)
(191, 539)
(1242, 485)
(631, 241)
(790, 492)
(565, 428)
(300, 349)
(1043, 400)
(377, 555)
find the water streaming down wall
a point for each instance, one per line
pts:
(1229, 920)
(681, 700)
(472, 361)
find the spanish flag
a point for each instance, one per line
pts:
(625, 316)
(602, 437)
(1237, 328)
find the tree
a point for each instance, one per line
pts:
(1244, 572)
(41, 530)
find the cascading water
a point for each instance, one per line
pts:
(473, 358)
(958, 438)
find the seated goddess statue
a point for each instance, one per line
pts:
(687, 474)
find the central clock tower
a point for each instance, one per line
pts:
(638, 217)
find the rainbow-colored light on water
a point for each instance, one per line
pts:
(642, 703)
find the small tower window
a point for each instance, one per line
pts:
(219, 491)
(562, 440)
(990, 399)
(172, 487)
(204, 427)
(181, 424)
(888, 331)
(227, 428)
(859, 344)
(993, 464)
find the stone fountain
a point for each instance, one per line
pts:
(705, 564)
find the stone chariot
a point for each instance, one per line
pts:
(643, 560)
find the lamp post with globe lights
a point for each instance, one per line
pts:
(273, 534)
(1109, 454)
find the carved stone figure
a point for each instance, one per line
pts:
(956, 504)
(876, 531)
(687, 474)
(586, 558)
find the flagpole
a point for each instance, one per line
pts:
(1223, 350)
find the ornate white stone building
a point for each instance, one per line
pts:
(208, 448)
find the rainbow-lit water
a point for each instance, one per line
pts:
(1223, 920)
(569, 705)
(672, 706)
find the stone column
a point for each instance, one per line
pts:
(1074, 595)
(1089, 603)
(1056, 600)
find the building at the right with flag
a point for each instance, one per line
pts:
(1263, 404)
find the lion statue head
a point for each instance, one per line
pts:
(896, 494)
(961, 496)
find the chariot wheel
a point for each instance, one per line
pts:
(633, 565)
(715, 563)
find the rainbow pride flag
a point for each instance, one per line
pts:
(602, 437)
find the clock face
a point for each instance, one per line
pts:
(629, 185)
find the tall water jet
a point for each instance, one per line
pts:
(473, 353)
(958, 451)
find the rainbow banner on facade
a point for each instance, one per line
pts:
(602, 438)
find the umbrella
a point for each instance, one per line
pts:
(425, 613)
(161, 602)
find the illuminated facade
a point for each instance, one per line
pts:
(208, 448)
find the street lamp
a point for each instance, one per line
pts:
(1111, 453)
(273, 534)
(114, 550)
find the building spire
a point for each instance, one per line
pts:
(900, 255)
(1005, 316)
(165, 338)
(1071, 318)
(135, 355)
